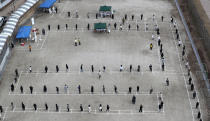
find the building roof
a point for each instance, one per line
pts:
(99, 26)
(105, 8)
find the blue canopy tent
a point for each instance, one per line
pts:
(47, 4)
(24, 32)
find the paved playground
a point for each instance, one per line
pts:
(119, 47)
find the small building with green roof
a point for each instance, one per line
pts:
(100, 27)
(105, 11)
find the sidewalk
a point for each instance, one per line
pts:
(12, 6)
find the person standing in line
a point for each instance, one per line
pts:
(69, 14)
(58, 27)
(81, 68)
(132, 17)
(67, 107)
(163, 66)
(130, 68)
(15, 79)
(46, 69)
(190, 80)
(162, 17)
(141, 16)
(100, 108)
(120, 27)
(76, 26)
(194, 94)
(31, 89)
(151, 90)
(104, 68)
(121, 68)
(129, 90)
(16, 73)
(12, 87)
(92, 68)
(138, 68)
(159, 42)
(153, 37)
(133, 99)
(199, 115)
(89, 109)
(107, 108)
(57, 90)
(79, 43)
(115, 25)
(56, 10)
(172, 19)
(125, 16)
(43, 31)
(141, 108)
(79, 89)
(75, 42)
(147, 27)
(23, 106)
(1, 109)
(137, 27)
(88, 26)
(30, 69)
(103, 89)
(35, 107)
(151, 46)
(99, 74)
(192, 87)
(21, 89)
(66, 88)
(150, 67)
(129, 27)
(49, 27)
(56, 107)
(57, 68)
(167, 82)
(115, 89)
(197, 105)
(45, 89)
(67, 68)
(30, 48)
(81, 108)
(92, 89)
(137, 89)
(96, 15)
(66, 26)
(46, 106)
(12, 106)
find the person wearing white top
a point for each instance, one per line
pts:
(30, 69)
(89, 109)
(153, 37)
(100, 108)
(121, 68)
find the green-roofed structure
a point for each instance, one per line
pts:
(105, 11)
(100, 27)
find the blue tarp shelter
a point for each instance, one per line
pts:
(47, 3)
(24, 32)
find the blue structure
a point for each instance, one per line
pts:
(47, 4)
(24, 32)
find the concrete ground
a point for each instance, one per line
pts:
(101, 49)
